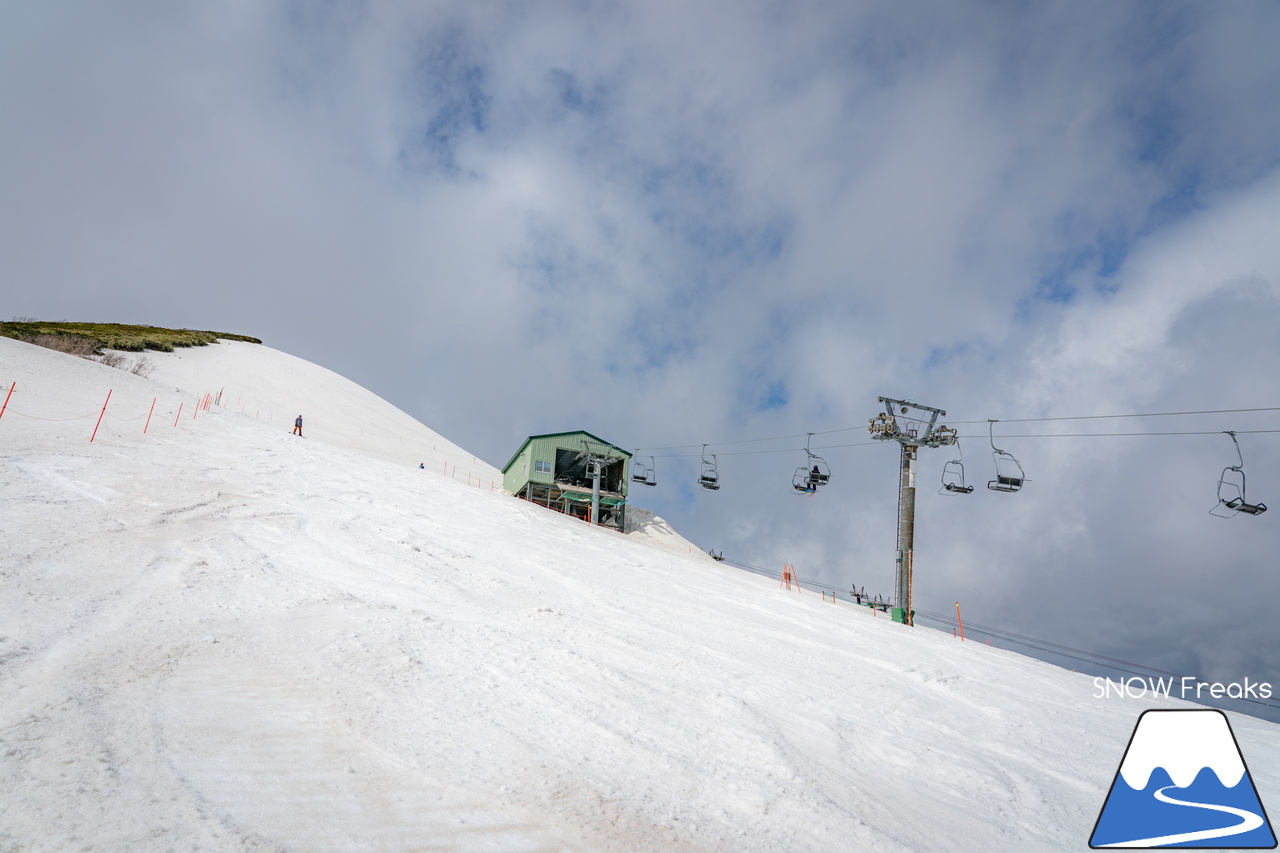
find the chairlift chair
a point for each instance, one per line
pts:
(814, 473)
(709, 478)
(644, 474)
(953, 476)
(1231, 489)
(807, 479)
(1009, 474)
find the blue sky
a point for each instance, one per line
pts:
(672, 224)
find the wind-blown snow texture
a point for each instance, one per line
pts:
(218, 636)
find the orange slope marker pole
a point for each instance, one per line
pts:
(958, 622)
(149, 414)
(6, 399)
(789, 575)
(100, 414)
(175, 417)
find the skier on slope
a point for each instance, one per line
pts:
(297, 425)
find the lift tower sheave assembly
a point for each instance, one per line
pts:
(598, 457)
(913, 426)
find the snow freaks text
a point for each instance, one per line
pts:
(1186, 687)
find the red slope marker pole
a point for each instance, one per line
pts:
(6, 399)
(175, 418)
(100, 414)
(958, 622)
(148, 423)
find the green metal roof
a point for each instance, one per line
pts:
(594, 438)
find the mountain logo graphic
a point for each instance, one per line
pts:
(1183, 783)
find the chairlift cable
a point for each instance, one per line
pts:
(1090, 417)
(724, 443)
(1004, 634)
(759, 452)
(777, 574)
(1001, 420)
(1092, 657)
(976, 630)
(1131, 434)
(1135, 415)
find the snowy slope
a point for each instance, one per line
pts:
(275, 387)
(216, 636)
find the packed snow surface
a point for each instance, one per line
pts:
(216, 635)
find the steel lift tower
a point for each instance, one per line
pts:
(912, 426)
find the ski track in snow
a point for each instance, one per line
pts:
(219, 637)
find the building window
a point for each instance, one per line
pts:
(541, 467)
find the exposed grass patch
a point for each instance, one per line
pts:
(88, 340)
(70, 344)
(114, 336)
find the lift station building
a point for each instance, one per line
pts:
(555, 471)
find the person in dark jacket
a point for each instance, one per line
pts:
(297, 426)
